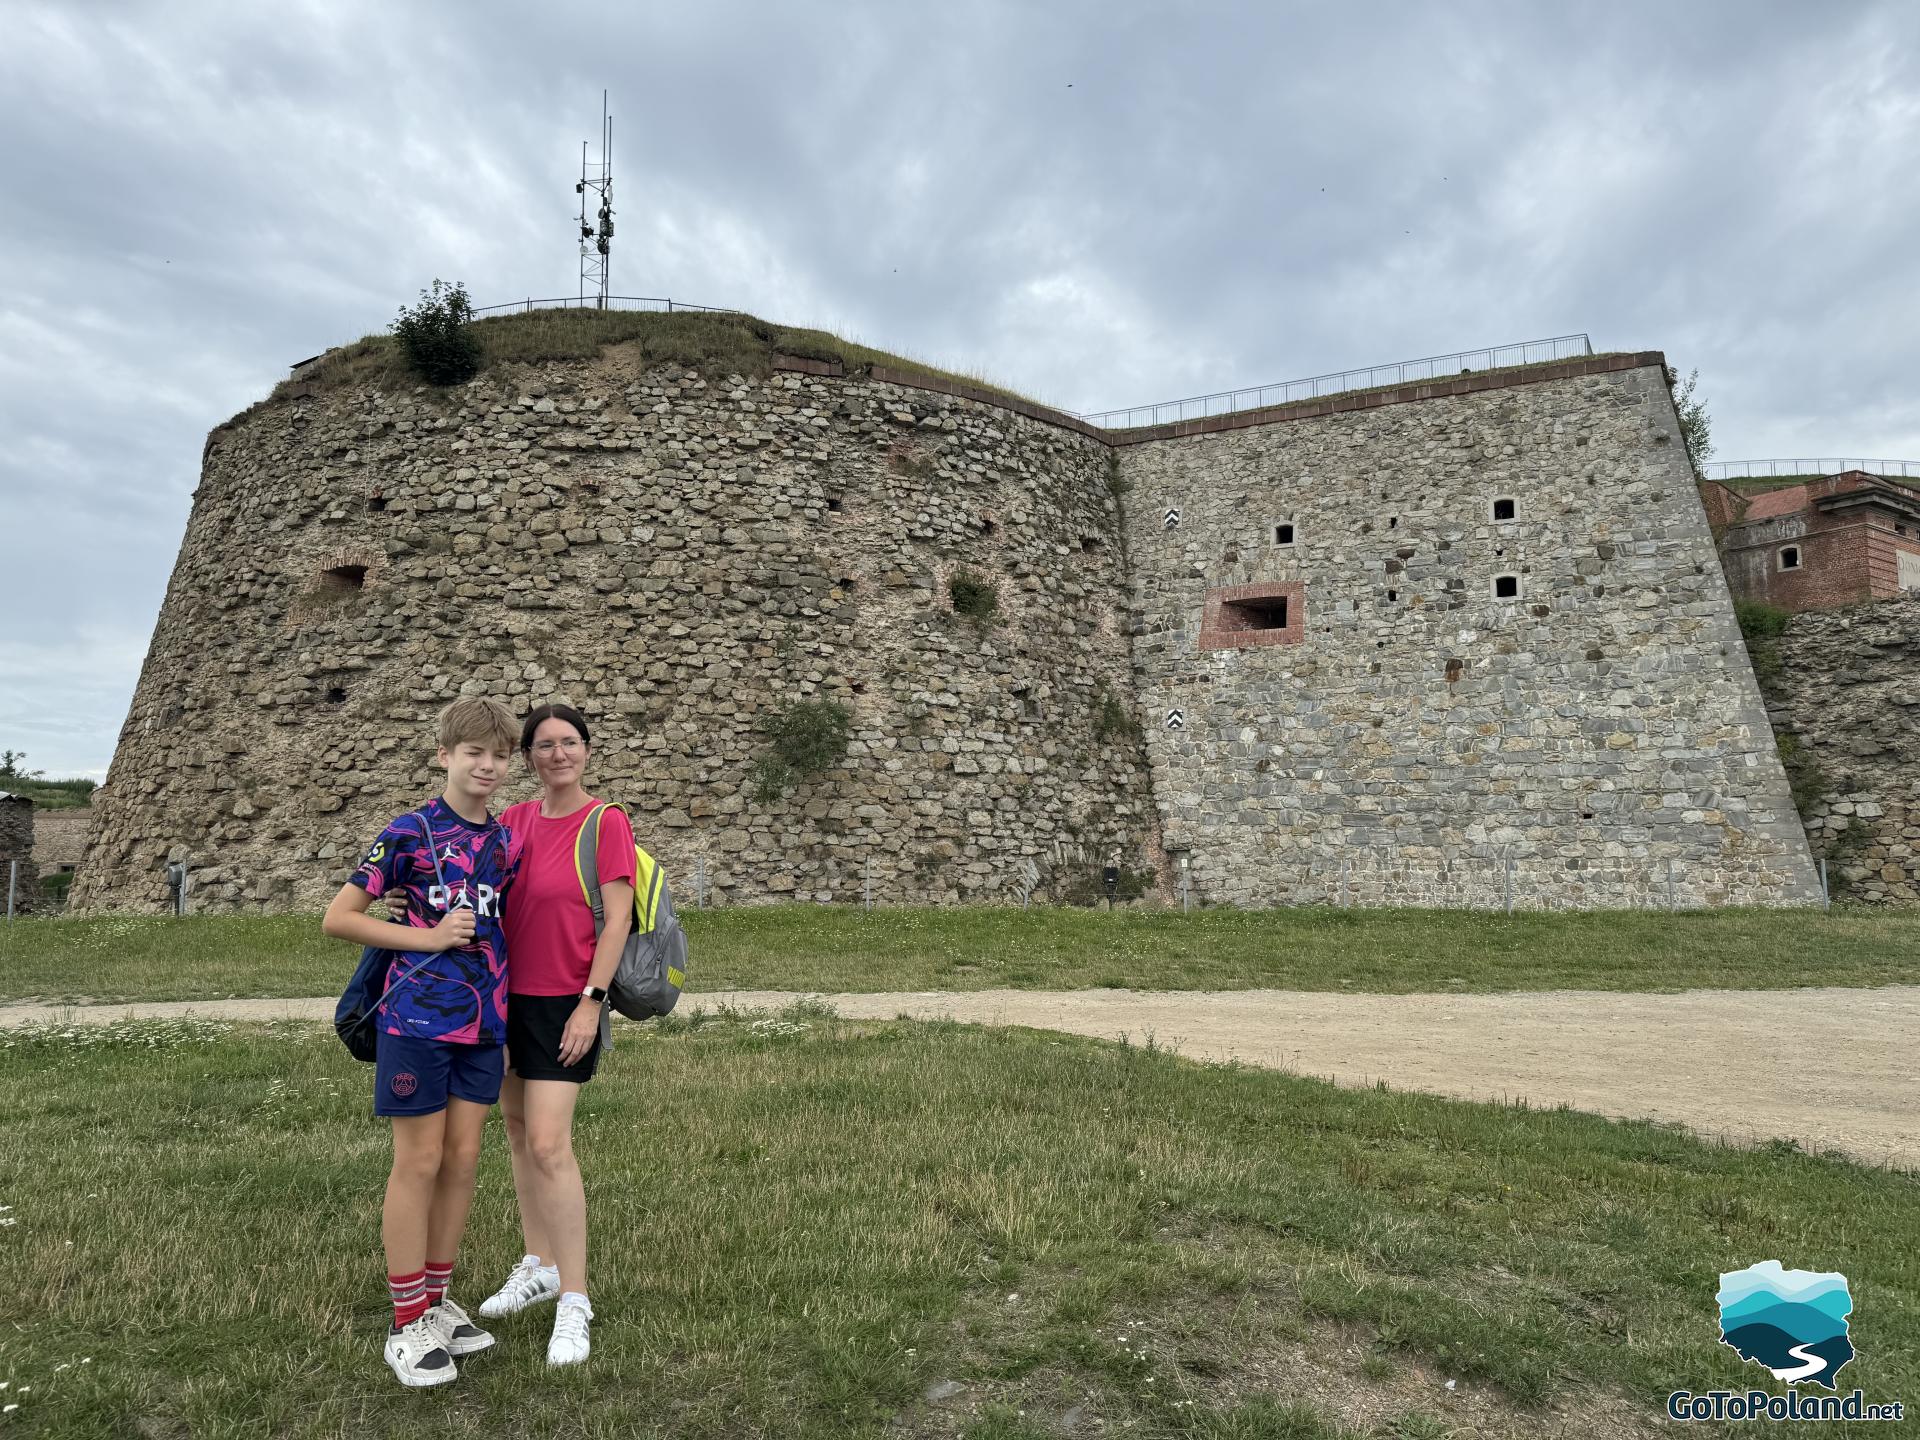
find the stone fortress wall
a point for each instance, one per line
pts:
(1848, 692)
(677, 556)
(680, 554)
(1413, 737)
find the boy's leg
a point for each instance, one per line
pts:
(404, 1218)
(410, 1087)
(453, 1188)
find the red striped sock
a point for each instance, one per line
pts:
(439, 1276)
(409, 1294)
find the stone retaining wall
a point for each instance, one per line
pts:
(1848, 692)
(1371, 720)
(681, 555)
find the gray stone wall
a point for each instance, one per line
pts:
(1848, 693)
(676, 555)
(16, 845)
(680, 556)
(1596, 741)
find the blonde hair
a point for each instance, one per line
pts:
(481, 720)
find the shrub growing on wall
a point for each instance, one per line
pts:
(972, 596)
(808, 736)
(437, 337)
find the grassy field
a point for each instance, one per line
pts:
(807, 1227)
(828, 948)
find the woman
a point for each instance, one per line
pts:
(557, 977)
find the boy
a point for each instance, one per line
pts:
(440, 1032)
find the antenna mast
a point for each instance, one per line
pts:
(596, 230)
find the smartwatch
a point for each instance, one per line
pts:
(595, 994)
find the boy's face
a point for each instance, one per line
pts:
(474, 768)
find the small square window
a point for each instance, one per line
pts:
(1790, 557)
(1503, 509)
(1506, 587)
(1283, 534)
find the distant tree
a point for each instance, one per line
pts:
(12, 767)
(437, 335)
(1696, 426)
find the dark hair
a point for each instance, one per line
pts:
(552, 712)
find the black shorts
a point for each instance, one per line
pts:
(534, 1027)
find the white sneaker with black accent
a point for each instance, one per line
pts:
(418, 1356)
(529, 1284)
(456, 1329)
(569, 1345)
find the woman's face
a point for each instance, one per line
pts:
(558, 754)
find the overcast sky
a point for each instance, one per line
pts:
(1101, 204)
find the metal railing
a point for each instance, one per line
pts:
(614, 302)
(1769, 469)
(1433, 367)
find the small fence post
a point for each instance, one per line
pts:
(13, 886)
(700, 882)
(1826, 894)
(1671, 905)
(1509, 885)
(866, 885)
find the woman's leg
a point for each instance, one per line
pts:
(533, 1227)
(546, 1108)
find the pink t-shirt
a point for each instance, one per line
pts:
(549, 927)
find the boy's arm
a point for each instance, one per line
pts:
(347, 919)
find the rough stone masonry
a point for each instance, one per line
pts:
(680, 554)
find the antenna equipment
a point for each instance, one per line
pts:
(595, 189)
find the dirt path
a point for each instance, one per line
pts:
(1831, 1068)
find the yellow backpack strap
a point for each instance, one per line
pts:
(648, 877)
(586, 849)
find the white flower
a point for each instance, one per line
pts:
(8, 1410)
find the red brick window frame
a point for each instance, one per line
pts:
(1246, 617)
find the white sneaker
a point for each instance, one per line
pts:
(529, 1284)
(457, 1332)
(417, 1355)
(569, 1345)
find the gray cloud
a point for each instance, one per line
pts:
(1101, 204)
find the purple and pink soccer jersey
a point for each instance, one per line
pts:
(459, 996)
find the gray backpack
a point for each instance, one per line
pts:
(653, 966)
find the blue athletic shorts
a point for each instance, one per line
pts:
(415, 1077)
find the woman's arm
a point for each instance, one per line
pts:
(347, 919)
(616, 900)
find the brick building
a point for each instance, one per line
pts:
(1820, 543)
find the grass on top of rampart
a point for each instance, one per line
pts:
(838, 948)
(712, 342)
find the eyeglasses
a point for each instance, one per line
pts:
(571, 745)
